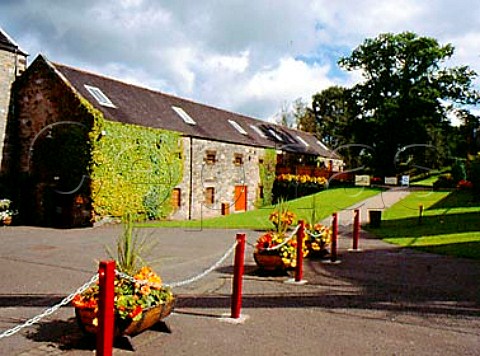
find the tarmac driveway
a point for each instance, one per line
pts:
(381, 301)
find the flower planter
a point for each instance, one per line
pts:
(151, 316)
(7, 221)
(268, 262)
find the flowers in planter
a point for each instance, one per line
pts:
(131, 298)
(6, 213)
(277, 242)
(142, 289)
(318, 237)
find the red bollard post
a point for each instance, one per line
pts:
(333, 253)
(356, 228)
(238, 277)
(299, 266)
(106, 272)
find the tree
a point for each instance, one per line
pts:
(289, 113)
(332, 115)
(406, 94)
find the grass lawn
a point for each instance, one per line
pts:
(427, 182)
(450, 223)
(323, 204)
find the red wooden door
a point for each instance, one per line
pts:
(240, 198)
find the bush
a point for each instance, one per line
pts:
(445, 181)
(475, 175)
(458, 171)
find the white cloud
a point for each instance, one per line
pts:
(289, 79)
(243, 56)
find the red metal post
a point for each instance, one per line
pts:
(333, 253)
(300, 237)
(238, 277)
(105, 332)
(356, 228)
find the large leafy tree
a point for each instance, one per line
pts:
(406, 93)
(328, 117)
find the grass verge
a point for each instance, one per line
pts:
(450, 224)
(321, 205)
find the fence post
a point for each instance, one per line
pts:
(356, 228)
(420, 214)
(333, 253)
(106, 278)
(299, 266)
(238, 277)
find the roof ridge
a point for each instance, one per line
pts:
(156, 91)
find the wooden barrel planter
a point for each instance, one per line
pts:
(269, 262)
(86, 320)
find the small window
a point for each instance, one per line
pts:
(183, 114)
(99, 96)
(210, 196)
(258, 131)
(238, 127)
(275, 134)
(210, 157)
(260, 192)
(302, 141)
(238, 159)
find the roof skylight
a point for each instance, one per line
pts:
(185, 117)
(258, 130)
(238, 127)
(274, 134)
(322, 145)
(99, 96)
(302, 141)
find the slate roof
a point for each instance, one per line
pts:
(145, 107)
(8, 44)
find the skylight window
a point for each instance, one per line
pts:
(258, 130)
(185, 117)
(302, 141)
(99, 96)
(238, 127)
(322, 145)
(274, 134)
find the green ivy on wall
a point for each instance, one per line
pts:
(267, 176)
(133, 169)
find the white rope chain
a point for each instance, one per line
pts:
(207, 271)
(181, 283)
(50, 310)
(276, 247)
(94, 279)
(308, 232)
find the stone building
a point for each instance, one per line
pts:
(13, 61)
(222, 152)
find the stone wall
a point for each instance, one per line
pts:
(44, 102)
(11, 65)
(233, 166)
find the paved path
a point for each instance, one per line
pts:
(380, 201)
(383, 301)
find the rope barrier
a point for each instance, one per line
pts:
(50, 310)
(94, 279)
(185, 282)
(207, 271)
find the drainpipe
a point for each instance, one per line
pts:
(190, 190)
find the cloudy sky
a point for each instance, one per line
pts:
(251, 57)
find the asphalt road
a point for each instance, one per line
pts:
(381, 301)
